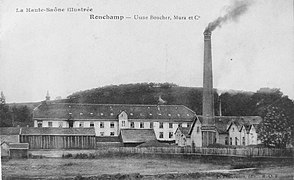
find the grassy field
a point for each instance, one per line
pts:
(147, 167)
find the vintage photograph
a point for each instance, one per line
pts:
(154, 89)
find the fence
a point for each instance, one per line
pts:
(238, 152)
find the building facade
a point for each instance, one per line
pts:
(110, 119)
(230, 130)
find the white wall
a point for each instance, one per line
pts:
(243, 134)
(234, 133)
(196, 136)
(118, 124)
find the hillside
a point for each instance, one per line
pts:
(151, 93)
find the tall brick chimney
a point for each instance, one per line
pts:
(208, 124)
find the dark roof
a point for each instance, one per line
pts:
(57, 131)
(245, 121)
(9, 130)
(137, 135)
(184, 130)
(222, 124)
(111, 111)
(107, 139)
(18, 145)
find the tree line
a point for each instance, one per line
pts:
(15, 115)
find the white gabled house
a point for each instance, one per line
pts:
(182, 137)
(243, 131)
(230, 130)
(234, 134)
(253, 135)
(196, 133)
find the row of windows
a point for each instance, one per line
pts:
(102, 133)
(170, 135)
(101, 124)
(236, 141)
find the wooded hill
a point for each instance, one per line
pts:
(233, 103)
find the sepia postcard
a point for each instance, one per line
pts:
(154, 89)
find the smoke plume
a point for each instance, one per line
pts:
(233, 13)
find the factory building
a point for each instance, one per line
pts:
(110, 119)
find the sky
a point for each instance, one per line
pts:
(65, 52)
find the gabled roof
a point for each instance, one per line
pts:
(197, 118)
(184, 131)
(256, 127)
(111, 111)
(137, 135)
(223, 123)
(57, 131)
(18, 145)
(245, 121)
(9, 130)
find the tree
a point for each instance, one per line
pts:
(5, 114)
(264, 98)
(21, 116)
(2, 98)
(275, 129)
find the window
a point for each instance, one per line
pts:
(231, 141)
(132, 125)
(141, 125)
(151, 125)
(112, 125)
(60, 124)
(236, 141)
(70, 123)
(111, 133)
(180, 124)
(170, 125)
(188, 124)
(123, 123)
(39, 123)
(49, 124)
(243, 141)
(161, 135)
(101, 133)
(91, 124)
(198, 129)
(233, 129)
(170, 135)
(161, 125)
(226, 141)
(101, 124)
(81, 124)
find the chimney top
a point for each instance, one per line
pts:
(207, 34)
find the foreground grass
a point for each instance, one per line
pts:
(146, 167)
